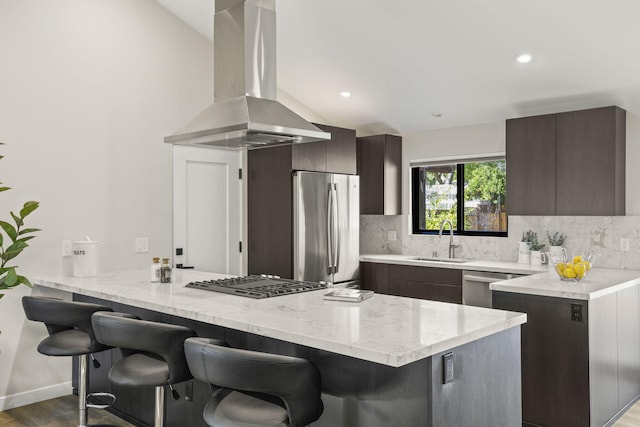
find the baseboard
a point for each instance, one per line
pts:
(34, 396)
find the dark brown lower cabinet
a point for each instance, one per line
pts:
(580, 359)
(438, 284)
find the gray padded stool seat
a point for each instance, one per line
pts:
(70, 334)
(256, 389)
(152, 354)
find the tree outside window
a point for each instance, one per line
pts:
(471, 195)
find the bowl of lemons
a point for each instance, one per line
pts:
(575, 268)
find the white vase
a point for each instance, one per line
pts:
(557, 254)
(524, 254)
(538, 258)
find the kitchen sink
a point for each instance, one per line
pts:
(435, 259)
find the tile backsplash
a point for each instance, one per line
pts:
(600, 233)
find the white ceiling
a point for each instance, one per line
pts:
(404, 60)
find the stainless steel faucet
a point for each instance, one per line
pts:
(452, 246)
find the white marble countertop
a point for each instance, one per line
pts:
(385, 329)
(474, 265)
(599, 282)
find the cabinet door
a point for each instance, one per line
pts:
(531, 165)
(337, 155)
(591, 162)
(438, 284)
(269, 212)
(341, 150)
(555, 359)
(310, 156)
(374, 276)
(379, 167)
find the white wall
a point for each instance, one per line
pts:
(88, 90)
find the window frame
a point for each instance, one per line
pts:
(414, 177)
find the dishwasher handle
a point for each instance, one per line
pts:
(481, 279)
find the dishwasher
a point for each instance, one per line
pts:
(475, 286)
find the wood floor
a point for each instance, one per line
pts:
(631, 418)
(60, 412)
(63, 412)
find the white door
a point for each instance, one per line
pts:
(207, 214)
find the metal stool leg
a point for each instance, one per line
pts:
(82, 390)
(158, 419)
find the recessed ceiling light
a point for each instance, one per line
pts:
(345, 94)
(524, 58)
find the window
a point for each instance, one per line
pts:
(470, 194)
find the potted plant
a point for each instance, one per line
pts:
(556, 251)
(13, 240)
(537, 257)
(524, 252)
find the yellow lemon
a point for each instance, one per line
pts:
(569, 273)
(580, 269)
(560, 268)
(577, 259)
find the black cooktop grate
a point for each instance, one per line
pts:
(257, 286)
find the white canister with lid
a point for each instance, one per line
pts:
(85, 258)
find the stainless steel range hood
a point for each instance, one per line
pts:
(245, 113)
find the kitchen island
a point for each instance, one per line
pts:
(580, 346)
(381, 360)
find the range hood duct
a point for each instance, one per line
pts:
(245, 113)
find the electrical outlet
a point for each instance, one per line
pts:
(142, 245)
(66, 248)
(624, 244)
(576, 312)
(449, 371)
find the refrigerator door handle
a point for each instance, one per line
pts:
(329, 231)
(336, 229)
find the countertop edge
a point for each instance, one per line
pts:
(474, 265)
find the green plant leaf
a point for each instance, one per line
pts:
(11, 279)
(9, 229)
(1, 240)
(24, 281)
(27, 230)
(14, 250)
(17, 220)
(5, 188)
(28, 207)
(24, 239)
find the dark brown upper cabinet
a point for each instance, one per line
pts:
(337, 155)
(567, 163)
(380, 170)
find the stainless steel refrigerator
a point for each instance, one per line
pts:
(326, 227)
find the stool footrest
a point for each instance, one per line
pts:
(96, 405)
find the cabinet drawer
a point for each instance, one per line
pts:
(440, 276)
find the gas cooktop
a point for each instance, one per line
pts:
(262, 286)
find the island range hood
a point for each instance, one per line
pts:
(245, 113)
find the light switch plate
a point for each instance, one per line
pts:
(66, 249)
(624, 244)
(142, 245)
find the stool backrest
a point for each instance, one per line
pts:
(59, 315)
(131, 335)
(294, 380)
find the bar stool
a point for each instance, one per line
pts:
(70, 334)
(152, 354)
(257, 389)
